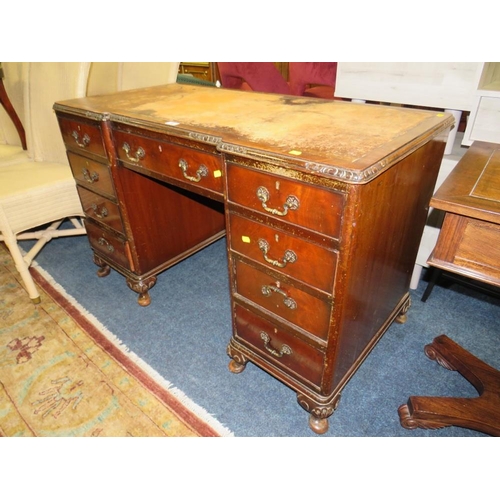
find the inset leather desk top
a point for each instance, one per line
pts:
(349, 141)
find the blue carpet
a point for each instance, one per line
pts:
(184, 332)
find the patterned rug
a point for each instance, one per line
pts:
(63, 374)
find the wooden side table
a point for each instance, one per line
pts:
(7, 105)
(468, 245)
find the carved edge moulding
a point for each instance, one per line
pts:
(344, 174)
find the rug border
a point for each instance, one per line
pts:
(184, 408)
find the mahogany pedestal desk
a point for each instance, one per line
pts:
(323, 204)
(469, 245)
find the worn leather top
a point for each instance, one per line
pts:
(341, 139)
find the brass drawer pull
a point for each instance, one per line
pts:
(85, 141)
(100, 213)
(104, 243)
(292, 202)
(288, 257)
(90, 177)
(201, 172)
(139, 154)
(284, 348)
(288, 301)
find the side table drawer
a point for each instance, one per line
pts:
(278, 347)
(82, 136)
(178, 162)
(294, 305)
(469, 247)
(290, 201)
(101, 209)
(108, 245)
(295, 257)
(92, 174)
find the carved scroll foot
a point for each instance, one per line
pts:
(318, 420)
(480, 413)
(238, 361)
(104, 269)
(408, 421)
(402, 316)
(235, 367)
(433, 353)
(142, 287)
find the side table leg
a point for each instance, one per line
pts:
(436, 273)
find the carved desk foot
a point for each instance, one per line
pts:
(402, 316)
(238, 360)
(104, 268)
(142, 287)
(319, 413)
(481, 413)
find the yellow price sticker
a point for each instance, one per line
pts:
(295, 152)
(245, 239)
(217, 173)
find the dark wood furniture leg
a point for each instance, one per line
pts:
(436, 273)
(142, 287)
(481, 413)
(5, 101)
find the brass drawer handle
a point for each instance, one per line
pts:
(139, 154)
(104, 243)
(289, 256)
(201, 172)
(292, 202)
(90, 177)
(85, 141)
(267, 341)
(99, 213)
(288, 301)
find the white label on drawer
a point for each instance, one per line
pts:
(174, 124)
(217, 173)
(245, 239)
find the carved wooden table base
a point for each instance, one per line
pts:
(481, 413)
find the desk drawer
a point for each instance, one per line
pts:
(108, 245)
(280, 348)
(290, 201)
(82, 136)
(92, 174)
(281, 251)
(101, 209)
(294, 305)
(178, 162)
